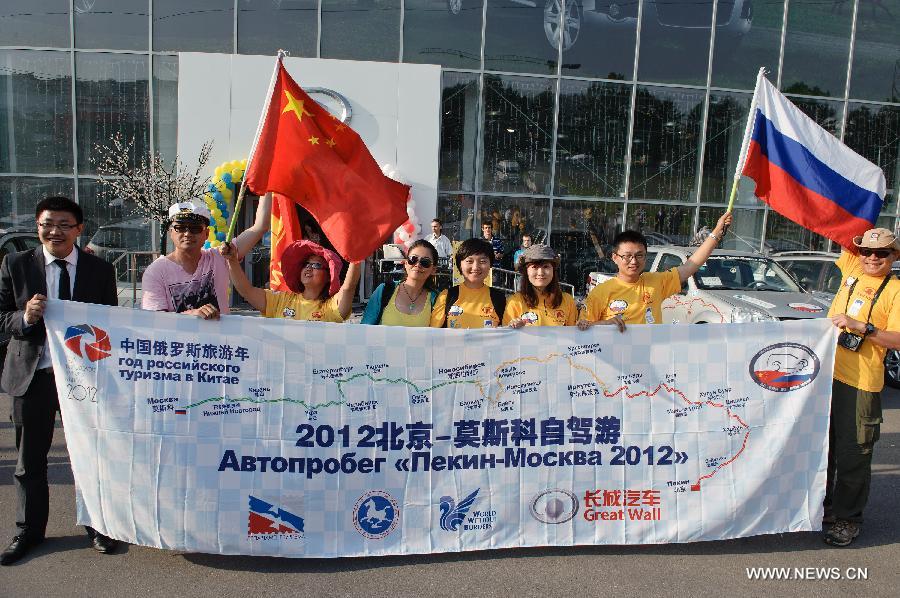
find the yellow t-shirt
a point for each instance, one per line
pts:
(294, 306)
(638, 302)
(864, 369)
(472, 309)
(541, 315)
(391, 316)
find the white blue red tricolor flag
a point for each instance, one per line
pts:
(806, 174)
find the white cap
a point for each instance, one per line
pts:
(188, 210)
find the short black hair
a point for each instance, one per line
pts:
(438, 220)
(58, 203)
(629, 236)
(471, 247)
(488, 223)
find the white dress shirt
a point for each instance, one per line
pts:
(442, 244)
(51, 274)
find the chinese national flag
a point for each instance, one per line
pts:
(308, 155)
(285, 230)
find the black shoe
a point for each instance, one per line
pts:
(103, 544)
(18, 548)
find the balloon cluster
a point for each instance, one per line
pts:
(410, 230)
(219, 198)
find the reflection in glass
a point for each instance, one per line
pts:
(361, 30)
(666, 143)
(111, 96)
(511, 217)
(675, 40)
(662, 224)
(582, 232)
(193, 25)
(745, 232)
(518, 134)
(599, 38)
(591, 139)
(459, 131)
(41, 23)
(724, 133)
(457, 213)
(112, 24)
(165, 106)
(785, 235)
(444, 32)
(816, 48)
(35, 111)
(748, 36)
(265, 26)
(20, 195)
(873, 131)
(876, 52)
(523, 36)
(101, 210)
(827, 113)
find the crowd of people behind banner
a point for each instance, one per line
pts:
(193, 280)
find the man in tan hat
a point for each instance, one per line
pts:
(867, 311)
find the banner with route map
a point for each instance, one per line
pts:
(273, 437)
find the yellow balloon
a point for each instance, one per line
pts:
(218, 171)
(215, 243)
(237, 174)
(244, 164)
(220, 185)
(226, 193)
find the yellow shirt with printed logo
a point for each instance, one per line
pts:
(542, 314)
(864, 369)
(632, 300)
(472, 309)
(294, 306)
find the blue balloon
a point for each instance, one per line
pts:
(220, 236)
(206, 245)
(218, 196)
(211, 188)
(224, 214)
(226, 178)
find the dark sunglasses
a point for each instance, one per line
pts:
(194, 229)
(879, 253)
(425, 262)
(313, 266)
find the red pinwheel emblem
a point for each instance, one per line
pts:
(88, 342)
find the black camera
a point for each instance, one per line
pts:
(850, 341)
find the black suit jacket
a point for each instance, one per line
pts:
(21, 277)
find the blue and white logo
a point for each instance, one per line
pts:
(452, 514)
(376, 514)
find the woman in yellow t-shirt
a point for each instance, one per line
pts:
(313, 275)
(410, 302)
(540, 300)
(471, 304)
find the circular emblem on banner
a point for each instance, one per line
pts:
(784, 367)
(88, 342)
(618, 306)
(807, 307)
(376, 514)
(554, 506)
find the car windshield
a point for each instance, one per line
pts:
(728, 272)
(115, 237)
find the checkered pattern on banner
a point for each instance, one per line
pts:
(229, 437)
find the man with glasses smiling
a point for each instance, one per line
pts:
(634, 296)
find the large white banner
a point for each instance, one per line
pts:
(254, 436)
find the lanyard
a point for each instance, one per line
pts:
(874, 299)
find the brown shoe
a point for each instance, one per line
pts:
(842, 533)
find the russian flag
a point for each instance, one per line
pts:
(805, 174)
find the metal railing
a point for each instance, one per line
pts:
(508, 281)
(129, 267)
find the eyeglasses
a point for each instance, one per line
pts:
(51, 225)
(425, 262)
(879, 253)
(313, 266)
(627, 257)
(194, 229)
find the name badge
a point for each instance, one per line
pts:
(488, 323)
(648, 316)
(854, 308)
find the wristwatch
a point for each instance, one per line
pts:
(715, 236)
(870, 328)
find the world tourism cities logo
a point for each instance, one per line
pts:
(88, 342)
(784, 367)
(376, 514)
(620, 505)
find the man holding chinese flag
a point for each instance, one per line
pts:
(304, 153)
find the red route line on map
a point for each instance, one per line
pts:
(689, 305)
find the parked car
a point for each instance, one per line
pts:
(580, 255)
(112, 240)
(13, 241)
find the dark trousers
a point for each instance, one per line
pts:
(855, 426)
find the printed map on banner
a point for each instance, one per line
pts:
(254, 436)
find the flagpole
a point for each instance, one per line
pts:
(745, 143)
(262, 121)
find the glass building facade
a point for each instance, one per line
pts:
(566, 119)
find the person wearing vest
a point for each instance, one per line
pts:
(410, 302)
(471, 304)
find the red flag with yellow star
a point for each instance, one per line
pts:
(285, 230)
(310, 156)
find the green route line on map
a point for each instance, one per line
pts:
(227, 399)
(342, 381)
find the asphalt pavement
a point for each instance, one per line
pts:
(65, 565)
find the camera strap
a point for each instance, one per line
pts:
(874, 299)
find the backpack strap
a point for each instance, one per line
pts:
(387, 293)
(452, 296)
(498, 299)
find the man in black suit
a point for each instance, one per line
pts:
(57, 268)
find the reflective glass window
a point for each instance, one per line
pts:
(112, 24)
(518, 134)
(817, 47)
(165, 105)
(523, 35)
(674, 45)
(111, 96)
(592, 137)
(784, 235)
(748, 36)
(35, 111)
(745, 232)
(662, 224)
(110, 223)
(35, 23)
(445, 32)
(581, 235)
(599, 38)
(265, 26)
(725, 126)
(361, 29)
(666, 142)
(873, 131)
(456, 212)
(459, 131)
(20, 195)
(193, 25)
(511, 217)
(827, 113)
(876, 52)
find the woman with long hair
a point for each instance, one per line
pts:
(408, 303)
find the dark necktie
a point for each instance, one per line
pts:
(65, 286)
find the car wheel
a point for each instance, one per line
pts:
(571, 23)
(892, 368)
(454, 6)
